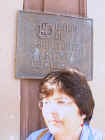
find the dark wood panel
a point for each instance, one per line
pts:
(30, 115)
(29, 111)
(63, 6)
(33, 4)
(74, 7)
(83, 8)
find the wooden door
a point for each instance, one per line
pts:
(30, 116)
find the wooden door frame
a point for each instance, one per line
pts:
(32, 86)
(83, 8)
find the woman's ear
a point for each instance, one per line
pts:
(83, 116)
(82, 120)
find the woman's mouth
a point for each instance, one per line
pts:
(56, 121)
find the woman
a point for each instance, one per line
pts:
(67, 106)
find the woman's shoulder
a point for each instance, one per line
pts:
(98, 135)
(90, 133)
(39, 133)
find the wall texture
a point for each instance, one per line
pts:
(96, 10)
(10, 87)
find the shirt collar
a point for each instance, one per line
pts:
(86, 133)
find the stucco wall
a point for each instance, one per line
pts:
(96, 10)
(10, 87)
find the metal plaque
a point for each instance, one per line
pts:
(47, 42)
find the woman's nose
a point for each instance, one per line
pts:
(53, 115)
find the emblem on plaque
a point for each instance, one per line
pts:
(45, 30)
(47, 42)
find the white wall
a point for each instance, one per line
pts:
(96, 10)
(9, 86)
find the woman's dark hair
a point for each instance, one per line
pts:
(74, 84)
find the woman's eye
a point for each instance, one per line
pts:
(46, 102)
(61, 102)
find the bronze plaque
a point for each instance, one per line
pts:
(47, 42)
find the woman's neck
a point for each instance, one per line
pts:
(68, 136)
(63, 137)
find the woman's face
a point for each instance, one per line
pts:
(61, 113)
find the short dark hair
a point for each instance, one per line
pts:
(75, 85)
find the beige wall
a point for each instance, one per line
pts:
(96, 10)
(10, 87)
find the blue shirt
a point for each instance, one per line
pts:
(88, 133)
